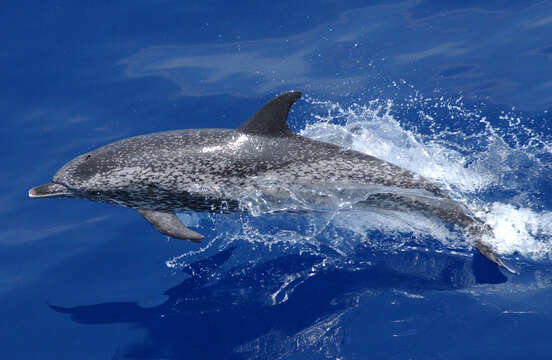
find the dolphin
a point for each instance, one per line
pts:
(221, 170)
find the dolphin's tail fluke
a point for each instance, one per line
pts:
(488, 251)
(448, 211)
(477, 233)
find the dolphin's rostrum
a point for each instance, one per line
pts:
(211, 170)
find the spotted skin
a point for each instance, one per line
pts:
(208, 169)
(212, 169)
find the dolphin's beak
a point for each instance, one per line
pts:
(49, 190)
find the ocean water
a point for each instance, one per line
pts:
(457, 91)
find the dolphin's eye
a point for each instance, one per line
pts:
(87, 157)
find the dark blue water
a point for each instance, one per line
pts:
(458, 91)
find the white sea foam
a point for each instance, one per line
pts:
(469, 164)
(520, 230)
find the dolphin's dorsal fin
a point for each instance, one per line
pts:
(271, 118)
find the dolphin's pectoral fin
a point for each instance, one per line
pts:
(270, 120)
(167, 223)
(491, 255)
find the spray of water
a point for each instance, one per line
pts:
(492, 162)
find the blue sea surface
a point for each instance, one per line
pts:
(457, 91)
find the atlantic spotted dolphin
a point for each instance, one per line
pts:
(215, 169)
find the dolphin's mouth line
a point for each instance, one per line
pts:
(52, 189)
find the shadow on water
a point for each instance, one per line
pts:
(216, 313)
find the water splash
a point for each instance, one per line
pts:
(494, 162)
(490, 157)
(520, 230)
